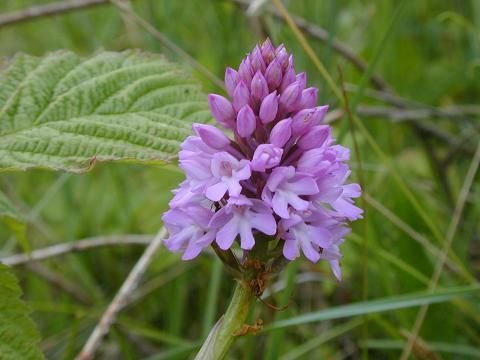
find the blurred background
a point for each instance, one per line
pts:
(411, 72)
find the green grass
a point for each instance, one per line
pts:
(428, 54)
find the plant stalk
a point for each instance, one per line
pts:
(228, 327)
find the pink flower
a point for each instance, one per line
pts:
(284, 189)
(189, 230)
(227, 173)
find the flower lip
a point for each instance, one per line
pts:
(227, 173)
(238, 218)
(285, 188)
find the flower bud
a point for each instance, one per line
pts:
(269, 108)
(241, 96)
(231, 79)
(291, 61)
(290, 96)
(256, 59)
(288, 78)
(320, 113)
(274, 75)
(281, 132)
(259, 87)
(282, 56)
(268, 50)
(315, 137)
(309, 98)
(307, 118)
(245, 71)
(301, 79)
(222, 110)
(246, 121)
(211, 136)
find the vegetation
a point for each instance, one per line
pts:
(402, 80)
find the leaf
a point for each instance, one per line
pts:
(376, 306)
(18, 334)
(63, 112)
(10, 216)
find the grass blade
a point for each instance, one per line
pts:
(212, 297)
(379, 305)
(312, 344)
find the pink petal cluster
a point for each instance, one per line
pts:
(281, 178)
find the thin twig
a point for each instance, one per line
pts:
(420, 111)
(81, 245)
(407, 229)
(313, 30)
(54, 278)
(456, 112)
(452, 229)
(461, 141)
(361, 182)
(134, 35)
(121, 298)
(159, 281)
(384, 91)
(58, 281)
(46, 10)
(419, 119)
(321, 34)
(396, 114)
(128, 11)
(57, 8)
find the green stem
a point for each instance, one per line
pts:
(226, 330)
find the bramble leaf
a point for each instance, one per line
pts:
(64, 112)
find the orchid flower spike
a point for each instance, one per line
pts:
(280, 182)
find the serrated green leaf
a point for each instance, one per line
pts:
(18, 334)
(11, 217)
(63, 112)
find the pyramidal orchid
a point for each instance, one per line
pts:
(279, 179)
(276, 186)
